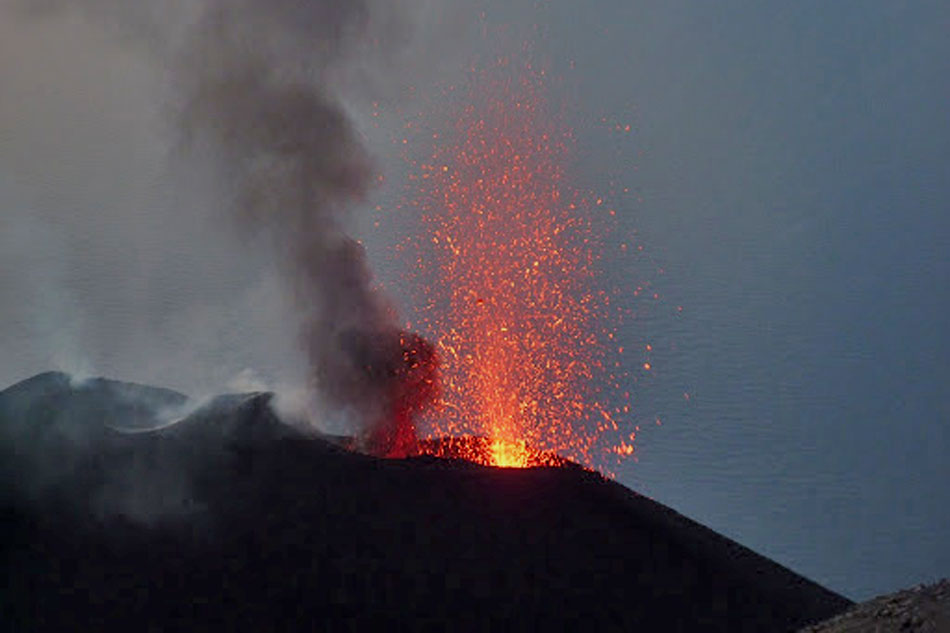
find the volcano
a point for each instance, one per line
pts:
(129, 506)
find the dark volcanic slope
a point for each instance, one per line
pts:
(229, 521)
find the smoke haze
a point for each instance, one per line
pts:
(261, 132)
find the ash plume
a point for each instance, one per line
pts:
(257, 80)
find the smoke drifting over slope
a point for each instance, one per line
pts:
(255, 87)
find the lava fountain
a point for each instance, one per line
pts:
(507, 264)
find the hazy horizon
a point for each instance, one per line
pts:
(791, 176)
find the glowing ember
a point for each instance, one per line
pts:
(507, 265)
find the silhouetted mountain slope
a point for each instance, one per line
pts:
(230, 520)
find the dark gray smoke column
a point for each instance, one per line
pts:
(256, 81)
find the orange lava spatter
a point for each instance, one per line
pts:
(489, 452)
(507, 263)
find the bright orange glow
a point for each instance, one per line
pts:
(509, 454)
(489, 452)
(508, 265)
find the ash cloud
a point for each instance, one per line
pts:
(257, 85)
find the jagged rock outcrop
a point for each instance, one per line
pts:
(920, 609)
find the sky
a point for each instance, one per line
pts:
(791, 165)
